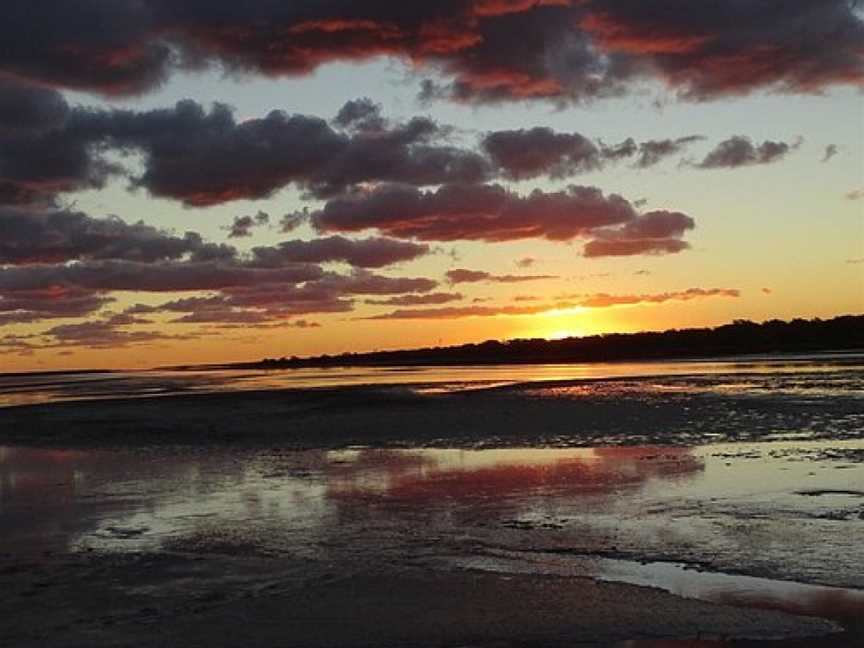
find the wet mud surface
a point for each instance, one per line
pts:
(375, 546)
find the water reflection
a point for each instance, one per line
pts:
(431, 477)
(839, 373)
(598, 512)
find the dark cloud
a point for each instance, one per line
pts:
(654, 151)
(730, 48)
(25, 305)
(461, 275)
(417, 300)
(60, 264)
(492, 213)
(37, 164)
(52, 236)
(521, 154)
(474, 212)
(242, 226)
(361, 253)
(170, 276)
(274, 301)
(204, 158)
(362, 282)
(290, 222)
(655, 233)
(30, 109)
(360, 115)
(108, 47)
(740, 151)
(105, 334)
(830, 151)
(483, 50)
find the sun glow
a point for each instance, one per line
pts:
(564, 334)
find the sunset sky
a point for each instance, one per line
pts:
(209, 181)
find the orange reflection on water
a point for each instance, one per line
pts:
(453, 475)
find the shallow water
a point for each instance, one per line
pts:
(775, 525)
(793, 375)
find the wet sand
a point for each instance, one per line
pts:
(434, 547)
(647, 512)
(169, 600)
(661, 410)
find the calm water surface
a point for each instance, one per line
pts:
(842, 369)
(771, 525)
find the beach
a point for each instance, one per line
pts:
(662, 507)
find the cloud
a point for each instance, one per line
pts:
(492, 213)
(525, 262)
(242, 225)
(362, 282)
(417, 300)
(226, 160)
(855, 194)
(360, 115)
(53, 236)
(459, 312)
(104, 334)
(604, 300)
(362, 253)
(169, 276)
(522, 154)
(461, 275)
(278, 301)
(29, 109)
(49, 302)
(740, 151)
(479, 50)
(653, 233)
(598, 300)
(203, 158)
(653, 152)
(830, 151)
(290, 222)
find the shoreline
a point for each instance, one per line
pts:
(552, 413)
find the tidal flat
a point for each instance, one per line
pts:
(632, 511)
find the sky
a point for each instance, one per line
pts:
(194, 182)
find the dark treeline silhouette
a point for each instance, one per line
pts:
(741, 337)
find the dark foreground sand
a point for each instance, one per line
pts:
(561, 414)
(177, 600)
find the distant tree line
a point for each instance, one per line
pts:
(738, 338)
